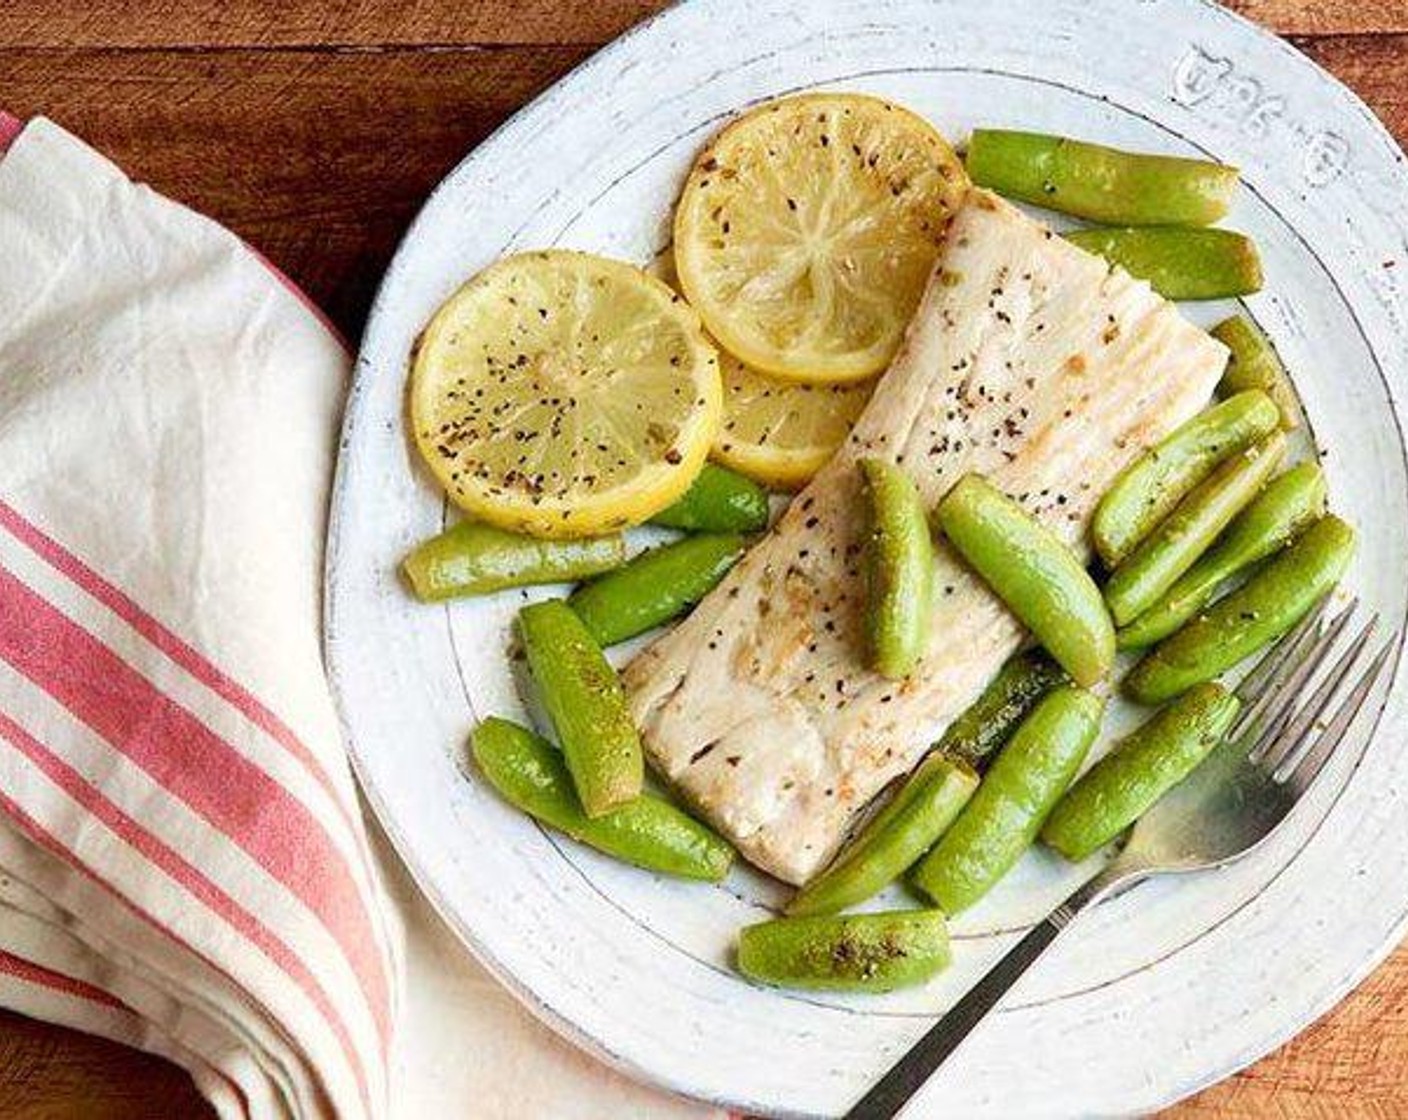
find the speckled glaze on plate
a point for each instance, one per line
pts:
(1148, 998)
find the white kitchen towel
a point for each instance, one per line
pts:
(184, 865)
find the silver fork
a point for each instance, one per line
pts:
(1225, 809)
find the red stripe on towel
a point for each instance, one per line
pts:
(184, 655)
(194, 764)
(161, 855)
(32, 973)
(45, 839)
(179, 651)
(10, 127)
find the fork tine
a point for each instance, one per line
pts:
(1278, 750)
(1271, 711)
(1287, 701)
(1308, 768)
(1255, 683)
(1261, 685)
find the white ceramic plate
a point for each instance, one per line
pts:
(1152, 996)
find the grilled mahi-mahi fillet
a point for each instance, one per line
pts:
(1028, 361)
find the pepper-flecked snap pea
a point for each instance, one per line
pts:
(1100, 184)
(1176, 543)
(586, 704)
(1180, 263)
(852, 952)
(903, 831)
(1256, 614)
(1146, 491)
(899, 571)
(1121, 787)
(1280, 513)
(1004, 816)
(474, 559)
(718, 501)
(1034, 573)
(992, 718)
(1254, 364)
(647, 832)
(655, 586)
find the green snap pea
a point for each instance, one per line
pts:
(473, 559)
(1175, 545)
(647, 832)
(718, 501)
(1121, 787)
(586, 704)
(1146, 491)
(1277, 597)
(992, 718)
(903, 831)
(1034, 573)
(655, 586)
(1098, 183)
(853, 952)
(1254, 364)
(899, 567)
(1280, 513)
(1180, 263)
(1004, 816)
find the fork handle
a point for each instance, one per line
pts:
(907, 1076)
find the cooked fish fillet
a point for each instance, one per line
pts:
(1028, 361)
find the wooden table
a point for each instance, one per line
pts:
(314, 128)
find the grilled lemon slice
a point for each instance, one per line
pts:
(807, 230)
(775, 431)
(563, 395)
(778, 432)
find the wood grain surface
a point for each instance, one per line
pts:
(314, 128)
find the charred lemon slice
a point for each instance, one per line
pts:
(778, 432)
(807, 230)
(563, 394)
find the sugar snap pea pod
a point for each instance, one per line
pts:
(1146, 491)
(1175, 545)
(992, 718)
(903, 831)
(1254, 364)
(719, 501)
(647, 832)
(586, 704)
(1098, 183)
(1003, 817)
(851, 952)
(473, 559)
(1180, 263)
(655, 586)
(1120, 788)
(1280, 513)
(899, 570)
(1034, 573)
(1257, 613)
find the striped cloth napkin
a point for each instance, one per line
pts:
(184, 866)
